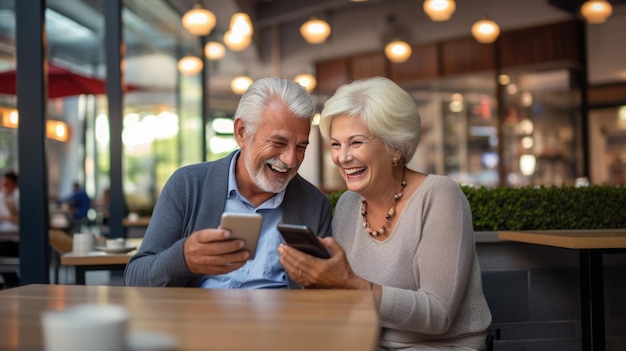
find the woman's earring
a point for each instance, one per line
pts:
(395, 162)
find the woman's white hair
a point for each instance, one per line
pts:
(388, 111)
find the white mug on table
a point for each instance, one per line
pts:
(93, 327)
(83, 243)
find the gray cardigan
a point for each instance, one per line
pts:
(193, 198)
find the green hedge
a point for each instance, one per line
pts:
(532, 208)
(569, 207)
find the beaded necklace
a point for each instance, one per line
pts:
(390, 213)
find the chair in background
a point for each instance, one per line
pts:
(9, 268)
(9, 260)
(61, 243)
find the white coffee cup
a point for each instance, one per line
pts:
(93, 327)
(83, 243)
(118, 243)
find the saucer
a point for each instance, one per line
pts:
(128, 248)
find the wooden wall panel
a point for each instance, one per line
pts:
(331, 74)
(368, 65)
(544, 44)
(607, 95)
(466, 55)
(423, 64)
(552, 43)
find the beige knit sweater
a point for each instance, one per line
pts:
(428, 267)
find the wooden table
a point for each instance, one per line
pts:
(591, 244)
(97, 260)
(207, 319)
(135, 227)
(136, 222)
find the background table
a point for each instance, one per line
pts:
(208, 319)
(97, 260)
(591, 244)
(135, 227)
(136, 222)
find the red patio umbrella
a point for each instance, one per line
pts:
(61, 82)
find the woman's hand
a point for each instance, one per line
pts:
(312, 272)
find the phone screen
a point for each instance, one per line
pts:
(302, 238)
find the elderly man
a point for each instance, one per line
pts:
(183, 245)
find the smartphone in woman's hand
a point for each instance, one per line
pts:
(302, 238)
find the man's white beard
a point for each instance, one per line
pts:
(265, 183)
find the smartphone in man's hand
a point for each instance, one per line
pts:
(246, 226)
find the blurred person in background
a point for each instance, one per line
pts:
(9, 222)
(79, 203)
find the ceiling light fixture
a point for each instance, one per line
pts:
(214, 50)
(315, 30)
(240, 24)
(199, 21)
(596, 11)
(306, 80)
(240, 84)
(398, 51)
(236, 42)
(439, 10)
(239, 34)
(485, 31)
(190, 65)
(395, 39)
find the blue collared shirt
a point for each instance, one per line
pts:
(264, 271)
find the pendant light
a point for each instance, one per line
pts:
(596, 11)
(485, 31)
(439, 10)
(315, 31)
(214, 50)
(190, 65)
(306, 80)
(395, 40)
(239, 34)
(240, 84)
(199, 21)
(240, 24)
(398, 51)
(236, 42)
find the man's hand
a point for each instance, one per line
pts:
(212, 252)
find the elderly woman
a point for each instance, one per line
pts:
(406, 235)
